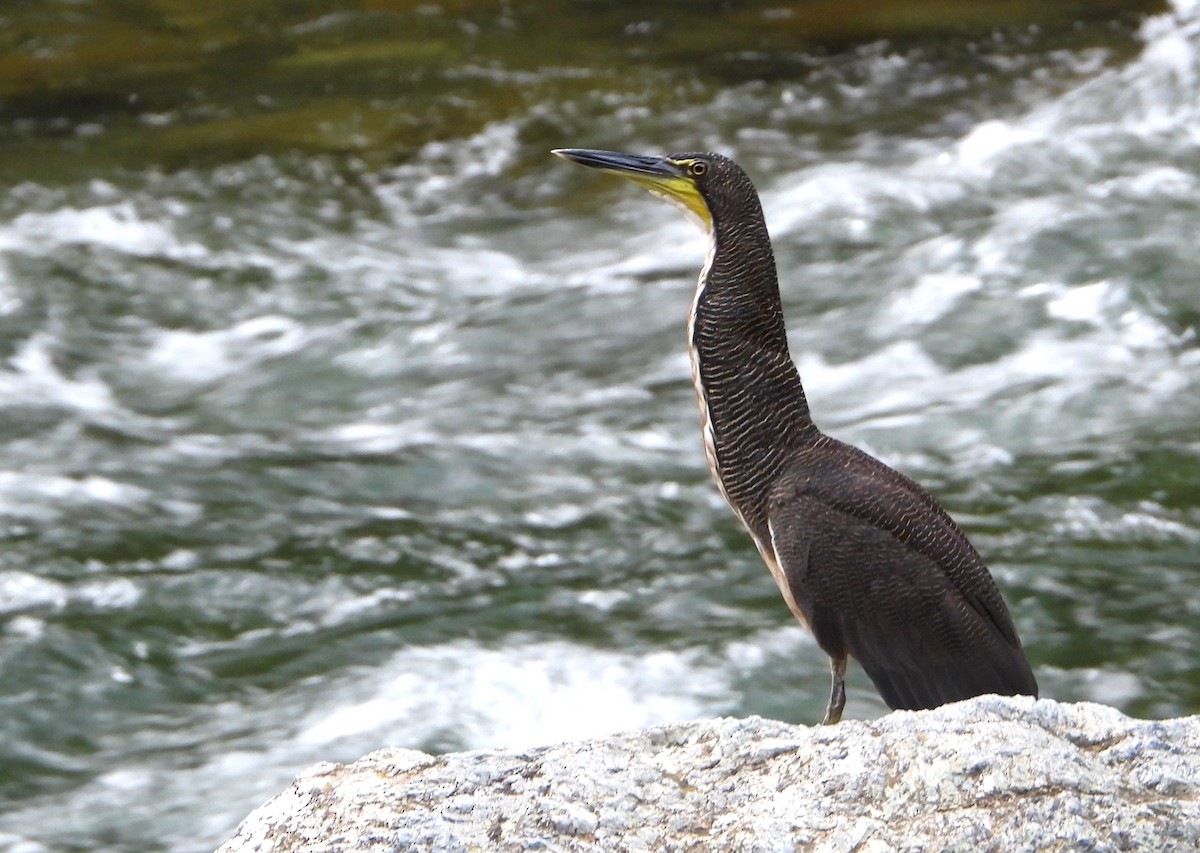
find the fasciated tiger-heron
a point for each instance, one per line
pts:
(864, 557)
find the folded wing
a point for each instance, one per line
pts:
(882, 573)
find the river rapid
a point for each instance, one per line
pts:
(324, 444)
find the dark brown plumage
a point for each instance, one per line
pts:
(864, 556)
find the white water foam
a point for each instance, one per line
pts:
(34, 379)
(25, 494)
(200, 358)
(21, 592)
(118, 227)
(522, 696)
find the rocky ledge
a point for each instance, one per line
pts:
(989, 774)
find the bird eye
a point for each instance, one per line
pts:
(697, 168)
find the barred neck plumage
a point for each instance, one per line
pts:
(752, 403)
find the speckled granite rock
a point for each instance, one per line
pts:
(989, 774)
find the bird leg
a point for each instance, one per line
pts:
(837, 691)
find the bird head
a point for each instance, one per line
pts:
(689, 181)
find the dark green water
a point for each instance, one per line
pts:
(338, 414)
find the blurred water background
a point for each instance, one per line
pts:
(337, 413)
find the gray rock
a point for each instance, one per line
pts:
(989, 774)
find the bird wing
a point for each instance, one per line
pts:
(881, 572)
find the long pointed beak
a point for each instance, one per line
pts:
(659, 175)
(626, 165)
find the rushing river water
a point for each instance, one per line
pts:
(320, 449)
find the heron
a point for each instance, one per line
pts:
(864, 557)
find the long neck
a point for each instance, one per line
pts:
(752, 404)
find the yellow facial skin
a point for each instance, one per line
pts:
(679, 191)
(666, 178)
